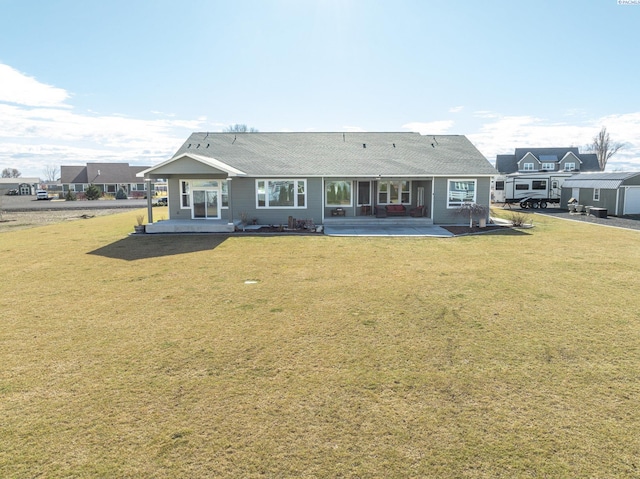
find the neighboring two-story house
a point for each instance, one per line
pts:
(534, 176)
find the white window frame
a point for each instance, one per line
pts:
(549, 166)
(527, 167)
(401, 191)
(596, 194)
(326, 193)
(186, 195)
(570, 166)
(457, 204)
(297, 182)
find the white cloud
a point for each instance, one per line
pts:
(506, 133)
(39, 129)
(20, 89)
(456, 109)
(431, 128)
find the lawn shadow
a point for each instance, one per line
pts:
(136, 247)
(511, 231)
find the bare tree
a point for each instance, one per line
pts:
(240, 128)
(51, 173)
(603, 147)
(11, 173)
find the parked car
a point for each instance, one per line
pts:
(13, 192)
(42, 195)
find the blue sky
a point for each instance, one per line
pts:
(88, 80)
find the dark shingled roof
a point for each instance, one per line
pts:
(340, 154)
(507, 164)
(110, 173)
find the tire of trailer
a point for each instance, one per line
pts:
(535, 205)
(543, 205)
(524, 205)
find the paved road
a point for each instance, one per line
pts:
(29, 203)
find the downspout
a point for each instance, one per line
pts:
(433, 197)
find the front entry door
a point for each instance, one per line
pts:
(364, 197)
(205, 204)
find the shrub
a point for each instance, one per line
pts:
(518, 219)
(121, 195)
(93, 192)
(70, 196)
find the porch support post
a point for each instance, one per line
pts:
(230, 219)
(149, 200)
(322, 197)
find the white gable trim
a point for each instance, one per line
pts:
(570, 153)
(212, 162)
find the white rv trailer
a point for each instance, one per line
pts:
(531, 190)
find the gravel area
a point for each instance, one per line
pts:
(21, 212)
(628, 222)
(18, 220)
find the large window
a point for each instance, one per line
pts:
(549, 166)
(460, 191)
(338, 193)
(394, 192)
(186, 187)
(528, 167)
(281, 193)
(569, 166)
(539, 185)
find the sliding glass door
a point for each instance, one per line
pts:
(205, 204)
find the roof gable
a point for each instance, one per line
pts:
(527, 158)
(570, 156)
(189, 163)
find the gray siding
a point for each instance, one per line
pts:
(608, 199)
(634, 181)
(443, 215)
(243, 197)
(243, 201)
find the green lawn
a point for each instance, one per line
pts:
(499, 355)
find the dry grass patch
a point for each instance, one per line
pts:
(488, 356)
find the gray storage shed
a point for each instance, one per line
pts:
(618, 193)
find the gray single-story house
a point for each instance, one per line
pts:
(217, 180)
(618, 193)
(108, 177)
